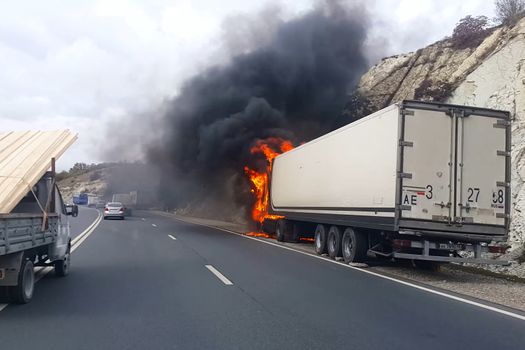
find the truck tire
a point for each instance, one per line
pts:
(23, 292)
(296, 233)
(280, 230)
(334, 242)
(62, 266)
(4, 295)
(320, 239)
(354, 246)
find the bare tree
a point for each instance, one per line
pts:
(509, 11)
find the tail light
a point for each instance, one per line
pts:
(500, 249)
(122, 209)
(106, 209)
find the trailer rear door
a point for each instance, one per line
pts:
(481, 193)
(455, 165)
(426, 168)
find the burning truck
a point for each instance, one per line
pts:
(416, 180)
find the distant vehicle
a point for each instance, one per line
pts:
(92, 200)
(129, 200)
(73, 209)
(114, 210)
(81, 199)
(416, 180)
(100, 204)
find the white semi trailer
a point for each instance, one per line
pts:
(415, 180)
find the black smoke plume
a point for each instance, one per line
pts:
(294, 86)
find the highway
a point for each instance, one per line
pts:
(152, 282)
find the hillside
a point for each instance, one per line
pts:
(104, 181)
(486, 75)
(94, 181)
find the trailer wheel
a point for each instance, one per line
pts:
(23, 292)
(4, 295)
(296, 233)
(280, 230)
(320, 239)
(334, 242)
(62, 266)
(354, 246)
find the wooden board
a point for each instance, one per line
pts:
(25, 156)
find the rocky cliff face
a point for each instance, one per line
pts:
(491, 74)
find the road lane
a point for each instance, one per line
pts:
(133, 287)
(86, 216)
(130, 289)
(290, 283)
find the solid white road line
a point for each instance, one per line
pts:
(170, 236)
(85, 234)
(93, 224)
(153, 225)
(219, 275)
(422, 288)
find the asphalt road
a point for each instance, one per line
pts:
(132, 286)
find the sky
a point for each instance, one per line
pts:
(91, 65)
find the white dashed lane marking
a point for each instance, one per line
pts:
(219, 275)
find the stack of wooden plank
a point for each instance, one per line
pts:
(25, 156)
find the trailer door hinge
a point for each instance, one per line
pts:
(460, 113)
(407, 112)
(403, 207)
(502, 184)
(502, 216)
(503, 153)
(502, 124)
(404, 175)
(406, 143)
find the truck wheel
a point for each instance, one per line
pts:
(334, 242)
(62, 266)
(23, 292)
(354, 246)
(280, 230)
(320, 239)
(4, 295)
(296, 233)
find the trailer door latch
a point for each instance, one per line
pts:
(443, 205)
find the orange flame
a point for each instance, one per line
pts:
(259, 234)
(259, 180)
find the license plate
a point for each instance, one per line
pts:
(449, 246)
(2, 274)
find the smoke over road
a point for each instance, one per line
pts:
(293, 87)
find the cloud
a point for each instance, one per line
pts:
(87, 65)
